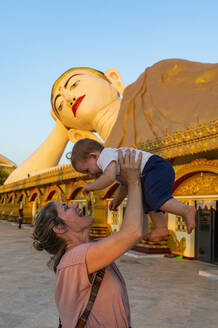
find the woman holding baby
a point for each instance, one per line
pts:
(89, 288)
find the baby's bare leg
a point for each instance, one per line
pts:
(160, 228)
(188, 212)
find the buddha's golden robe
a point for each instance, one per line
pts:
(169, 96)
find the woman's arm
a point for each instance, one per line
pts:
(105, 251)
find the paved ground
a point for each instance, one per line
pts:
(164, 292)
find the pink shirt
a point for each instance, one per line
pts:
(72, 291)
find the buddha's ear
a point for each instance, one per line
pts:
(113, 75)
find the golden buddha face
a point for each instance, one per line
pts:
(78, 95)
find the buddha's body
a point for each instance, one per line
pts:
(171, 95)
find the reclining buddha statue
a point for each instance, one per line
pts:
(171, 95)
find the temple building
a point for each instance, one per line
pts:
(6, 167)
(187, 137)
(5, 162)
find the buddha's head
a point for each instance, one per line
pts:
(80, 93)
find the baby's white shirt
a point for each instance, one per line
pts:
(111, 154)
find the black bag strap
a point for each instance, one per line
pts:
(95, 288)
(60, 324)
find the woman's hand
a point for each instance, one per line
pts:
(129, 168)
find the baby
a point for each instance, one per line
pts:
(157, 178)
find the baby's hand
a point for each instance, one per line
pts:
(113, 205)
(87, 188)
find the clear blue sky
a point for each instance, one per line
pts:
(41, 39)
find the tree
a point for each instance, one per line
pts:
(4, 173)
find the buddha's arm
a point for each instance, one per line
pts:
(47, 155)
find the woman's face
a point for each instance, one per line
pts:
(79, 96)
(72, 216)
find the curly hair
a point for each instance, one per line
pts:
(44, 238)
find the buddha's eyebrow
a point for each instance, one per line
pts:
(55, 109)
(69, 79)
(56, 99)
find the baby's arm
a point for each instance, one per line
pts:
(120, 195)
(105, 180)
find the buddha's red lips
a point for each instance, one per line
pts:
(76, 105)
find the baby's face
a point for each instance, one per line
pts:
(89, 167)
(79, 96)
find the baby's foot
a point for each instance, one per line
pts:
(157, 234)
(190, 219)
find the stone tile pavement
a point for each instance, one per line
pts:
(163, 292)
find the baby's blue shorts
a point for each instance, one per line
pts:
(157, 181)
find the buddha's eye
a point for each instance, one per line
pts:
(74, 85)
(60, 106)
